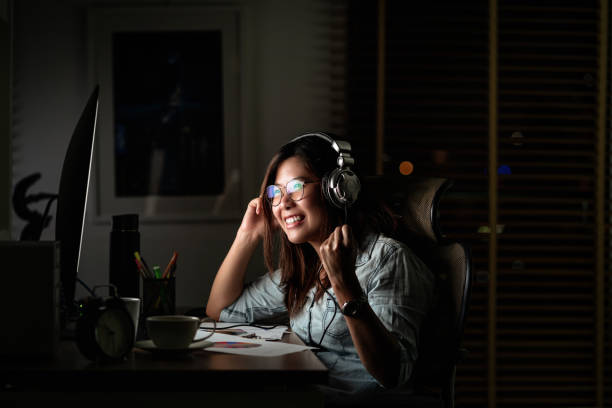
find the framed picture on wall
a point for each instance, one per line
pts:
(168, 144)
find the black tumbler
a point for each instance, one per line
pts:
(124, 241)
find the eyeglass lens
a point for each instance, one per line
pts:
(294, 188)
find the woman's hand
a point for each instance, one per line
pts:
(253, 221)
(229, 281)
(338, 255)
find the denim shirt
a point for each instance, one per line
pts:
(398, 287)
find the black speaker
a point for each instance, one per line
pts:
(30, 299)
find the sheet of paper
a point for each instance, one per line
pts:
(265, 332)
(226, 343)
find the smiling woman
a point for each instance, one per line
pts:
(298, 212)
(335, 270)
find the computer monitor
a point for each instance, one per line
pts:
(72, 199)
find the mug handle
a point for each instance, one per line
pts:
(209, 319)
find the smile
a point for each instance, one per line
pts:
(294, 220)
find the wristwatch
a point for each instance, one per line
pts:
(354, 307)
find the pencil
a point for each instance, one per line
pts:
(144, 263)
(173, 269)
(171, 266)
(140, 269)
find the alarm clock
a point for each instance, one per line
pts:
(104, 330)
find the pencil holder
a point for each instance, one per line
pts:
(159, 297)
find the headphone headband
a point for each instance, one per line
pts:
(341, 146)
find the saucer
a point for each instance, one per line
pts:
(148, 345)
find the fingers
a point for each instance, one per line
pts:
(341, 236)
(256, 204)
(337, 256)
(346, 235)
(336, 238)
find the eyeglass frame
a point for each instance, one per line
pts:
(280, 188)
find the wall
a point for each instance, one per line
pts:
(279, 65)
(5, 117)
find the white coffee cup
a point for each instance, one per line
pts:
(133, 308)
(173, 331)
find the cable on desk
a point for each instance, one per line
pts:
(247, 325)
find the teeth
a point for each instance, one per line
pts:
(294, 219)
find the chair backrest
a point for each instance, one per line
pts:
(442, 330)
(417, 200)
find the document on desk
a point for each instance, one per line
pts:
(265, 332)
(227, 343)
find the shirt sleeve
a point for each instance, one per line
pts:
(261, 300)
(400, 292)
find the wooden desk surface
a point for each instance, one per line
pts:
(141, 370)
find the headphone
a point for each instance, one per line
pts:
(340, 186)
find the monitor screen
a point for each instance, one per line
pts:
(72, 198)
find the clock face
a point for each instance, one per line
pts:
(114, 332)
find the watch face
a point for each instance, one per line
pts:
(351, 308)
(114, 333)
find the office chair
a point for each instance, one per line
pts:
(440, 349)
(416, 201)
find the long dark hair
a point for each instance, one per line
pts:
(299, 262)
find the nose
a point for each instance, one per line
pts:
(286, 201)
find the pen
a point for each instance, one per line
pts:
(144, 263)
(140, 269)
(173, 270)
(171, 265)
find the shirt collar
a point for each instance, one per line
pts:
(367, 247)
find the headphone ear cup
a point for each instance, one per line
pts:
(327, 193)
(341, 187)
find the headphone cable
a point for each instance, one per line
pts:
(320, 283)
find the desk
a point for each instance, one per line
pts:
(144, 371)
(198, 379)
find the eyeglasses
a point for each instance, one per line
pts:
(294, 189)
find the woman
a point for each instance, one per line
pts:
(327, 265)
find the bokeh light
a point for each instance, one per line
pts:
(406, 168)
